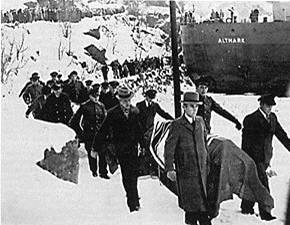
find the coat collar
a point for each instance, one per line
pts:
(263, 121)
(186, 123)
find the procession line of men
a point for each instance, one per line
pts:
(99, 123)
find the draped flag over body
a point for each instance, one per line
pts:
(232, 171)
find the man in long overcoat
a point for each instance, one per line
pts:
(186, 152)
(209, 105)
(123, 128)
(259, 129)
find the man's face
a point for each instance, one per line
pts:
(73, 77)
(190, 109)
(125, 103)
(35, 82)
(266, 108)
(149, 99)
(57, 92)
(202, 89)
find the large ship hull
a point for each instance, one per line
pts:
(239, 57)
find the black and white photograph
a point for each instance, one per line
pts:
(145, 112)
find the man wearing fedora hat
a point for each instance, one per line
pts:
(209, 105)
(185, 155)
(148, 109)
(57, 108)
(122, 128)
(257, 135)
(91, 115)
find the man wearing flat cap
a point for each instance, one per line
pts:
(185, 155)
(148, 109)
(209, 105)
(122, 128)
(53, 76)
(73, 87)
(33, 90)
(257, 135)
(57, 108)
(91, 115)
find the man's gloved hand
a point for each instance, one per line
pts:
(26, 116)
(238, 125)
(171, 175)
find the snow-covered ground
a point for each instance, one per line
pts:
(31, 195)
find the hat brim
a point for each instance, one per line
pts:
(125, 96)
(192, 102)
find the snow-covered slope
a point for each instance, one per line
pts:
(46, 46)
(33, 196)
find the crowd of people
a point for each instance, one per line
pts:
(218, 16)
(71, 14)
(106, 121)
(132, 67)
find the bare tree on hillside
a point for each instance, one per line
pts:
(13, 56)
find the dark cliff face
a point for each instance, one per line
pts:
(239, 57)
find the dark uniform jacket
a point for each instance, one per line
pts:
(258, 134)
(32, 92)
(90, 116)
(57, 109)
(209, 105)
(147, 114)
(73, 90)
(108, 99)
(185, 147)
(84, 95)
(125, 133)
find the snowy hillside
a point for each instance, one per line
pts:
(60, 46)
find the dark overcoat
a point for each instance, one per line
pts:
(185, 147)
(125, 133)
(258, 134)
(108, 99)
(57, 109)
